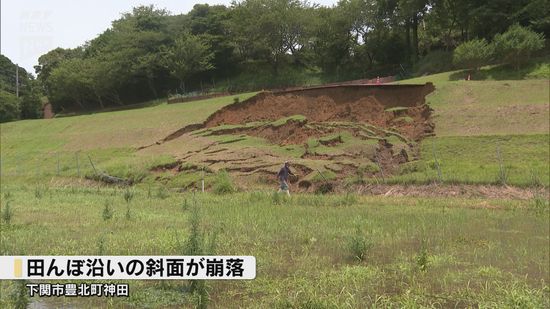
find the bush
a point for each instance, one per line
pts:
(412, 167)
(223, 183)
(472, 54)
(107, 211)
(434, 62)
(9, 107)
(7, 213)
(324, 188)
(31, 106)
(422, 257)
(516, 45)
(359, 245)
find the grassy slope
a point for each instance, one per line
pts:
(486, 253)
(33, 147)
(474, 118)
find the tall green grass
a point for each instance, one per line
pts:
(414, 251)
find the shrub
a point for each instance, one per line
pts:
(472, 54)
(107, 211)
(324, 188)
(128, 195)
(7, 213)
(31, 106)
(9, 107)
(422, 257)
(359, 245)
(223, 183)
(198, 244)
(516, 45)
(412, 167)
(434, 62)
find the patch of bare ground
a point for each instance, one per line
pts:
(459, 190)
(386, 123)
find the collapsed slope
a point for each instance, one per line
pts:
(340, 129)
(384, 106)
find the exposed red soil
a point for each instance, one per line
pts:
(345, 103)
(351, 103)
(368, 112)
(48, 111)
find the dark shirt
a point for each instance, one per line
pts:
(284, 173)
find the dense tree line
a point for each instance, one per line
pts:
(148, 53)
(28, 104)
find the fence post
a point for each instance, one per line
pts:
(202, 181)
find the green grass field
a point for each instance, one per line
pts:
(313, 251)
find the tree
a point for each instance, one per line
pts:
(211, 24)
(187, 57)
(517, 44)
(412, 12)
(270, 29)
(71, 84)
(472, 54)
(30, 103)
(9, 106)
(51, 60)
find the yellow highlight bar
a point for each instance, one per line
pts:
(17, 268)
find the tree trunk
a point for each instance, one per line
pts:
(99, 100)
(408, 39)
(415, 37)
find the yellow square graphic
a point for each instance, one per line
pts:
(17, 268)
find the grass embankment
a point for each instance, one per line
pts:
(473, 119)
(31, 149)
(312, 251)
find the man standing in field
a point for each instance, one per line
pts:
(283, 177)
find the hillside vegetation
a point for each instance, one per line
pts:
(466, 250)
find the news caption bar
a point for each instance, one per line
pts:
(127, 267)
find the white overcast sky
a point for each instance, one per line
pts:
(30, 28)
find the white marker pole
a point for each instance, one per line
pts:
(202, 181)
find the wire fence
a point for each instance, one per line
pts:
(46, 164)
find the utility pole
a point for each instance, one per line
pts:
(17, 80)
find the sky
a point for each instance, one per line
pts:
(31, 28)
